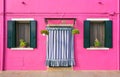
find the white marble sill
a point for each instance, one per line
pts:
(97, 48)
(21, 48)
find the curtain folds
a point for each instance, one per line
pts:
(60, 49)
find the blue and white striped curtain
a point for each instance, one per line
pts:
(60, 49)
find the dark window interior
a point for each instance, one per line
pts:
(97, 31)
(22, 32)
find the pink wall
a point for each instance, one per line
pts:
(1, 40)
(80, 9)
(1, 33)
(66, 6)
(1, 6)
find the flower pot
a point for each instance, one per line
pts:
(23, 47)
(43, 34)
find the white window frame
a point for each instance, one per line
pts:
(22, 19)
(98, 19)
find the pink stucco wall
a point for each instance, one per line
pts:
(1, 33)
(80, 9)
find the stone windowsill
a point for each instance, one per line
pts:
(97, 48)
(21, 48)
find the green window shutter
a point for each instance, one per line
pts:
(11, 34)
(108, 34)
(33, 34)
(86, 34)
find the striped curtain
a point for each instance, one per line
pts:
(60, 49)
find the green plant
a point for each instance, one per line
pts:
(44, 32)
(23, 43)
(75, 31)
(97, 43)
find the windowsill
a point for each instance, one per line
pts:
(97, 48)
(21, 48)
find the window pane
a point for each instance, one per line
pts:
(97, 32)
(22, 32)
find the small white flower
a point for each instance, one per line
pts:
(43, 34)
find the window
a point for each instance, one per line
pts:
(98, 33)
(25, 30)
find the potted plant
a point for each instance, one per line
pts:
(23, 44)
(75, 31)
(44, 32)
(97, 43)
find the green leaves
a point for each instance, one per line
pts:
(97, 43)
(23, 43)
(75, 31)
(44, 32)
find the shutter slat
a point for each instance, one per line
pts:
(108, 34)
(11, 35)
(86, 34)
(33, 34)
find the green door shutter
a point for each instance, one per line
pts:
(33, 34)
(86, 34)
(11, 34)
(108, 34)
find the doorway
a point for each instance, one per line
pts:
(60, 46)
